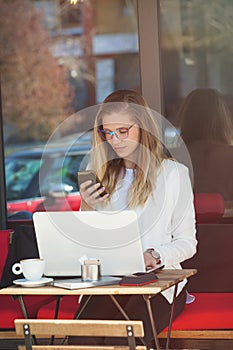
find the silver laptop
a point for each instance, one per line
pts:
(64, 238)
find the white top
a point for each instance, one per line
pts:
(167, 220)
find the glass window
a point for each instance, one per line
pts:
(56, 60)
(61, 174)
(196, 48)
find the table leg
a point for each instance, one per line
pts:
(25, 313)
(80, 310)
(122, 311)
(124, 314)
(153, 326)
(23, 306)
(171, 317)
(55, 316)
(57, 307)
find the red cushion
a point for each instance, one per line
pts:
(68, 307)
(208, 311)
(209, 207)
(35, 302)
(10, 309)
(4, 244)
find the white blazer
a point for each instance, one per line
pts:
(167, 220)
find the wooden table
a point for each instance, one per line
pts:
(166, 279)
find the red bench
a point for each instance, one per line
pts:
(207, 323)
(210, 310)
(9, 308)
(209, 319)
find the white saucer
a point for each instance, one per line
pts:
(39, 283)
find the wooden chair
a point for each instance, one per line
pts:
(90, 328)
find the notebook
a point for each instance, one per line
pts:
(112, 237)
(77, 283)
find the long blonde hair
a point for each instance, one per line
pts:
(109, 167)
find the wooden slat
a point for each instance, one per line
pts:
(79, 347)
(80, 327)
(152, 288)
(199, 334)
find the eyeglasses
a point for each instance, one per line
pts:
(120, 133)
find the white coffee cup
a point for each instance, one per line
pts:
(32, 269)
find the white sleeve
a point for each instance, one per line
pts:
(182, 228)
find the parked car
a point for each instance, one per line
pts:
(39, 179)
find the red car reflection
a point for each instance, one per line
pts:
(38, 179)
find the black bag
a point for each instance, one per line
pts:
(23, 246)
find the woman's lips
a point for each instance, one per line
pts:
(119, 149)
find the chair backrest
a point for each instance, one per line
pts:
(209, 207)
(23, 246)
(90, 328)
(13, 223)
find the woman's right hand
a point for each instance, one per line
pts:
(91, 195)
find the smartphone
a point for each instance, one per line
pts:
(89, 175)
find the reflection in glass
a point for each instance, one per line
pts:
(207, 129)
(65, 58)
(196, 48)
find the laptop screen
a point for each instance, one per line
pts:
(112, 237)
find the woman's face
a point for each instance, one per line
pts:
(125, 148)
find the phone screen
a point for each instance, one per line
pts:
(86, 175)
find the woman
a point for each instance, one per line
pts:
(207, 129)
(128, 157)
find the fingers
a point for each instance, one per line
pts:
(101, 190)
(91, 194)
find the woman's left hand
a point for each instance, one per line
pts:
(150, 262)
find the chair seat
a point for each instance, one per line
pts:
(208, 311)
(67, 308)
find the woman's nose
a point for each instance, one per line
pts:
(114, 138)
